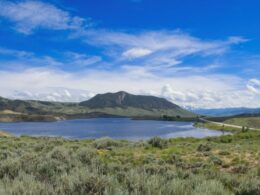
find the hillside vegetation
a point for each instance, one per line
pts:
(49, 166)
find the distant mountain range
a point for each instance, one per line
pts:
(110, 104)
(226, 111)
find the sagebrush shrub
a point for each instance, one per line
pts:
(106, 143)
(158, 142)
(204, 148)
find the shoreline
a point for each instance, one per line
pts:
(52, 118)
(5, 134)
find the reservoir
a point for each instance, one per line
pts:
(118, 128)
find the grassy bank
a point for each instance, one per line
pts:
(219, 165)
(214, 126)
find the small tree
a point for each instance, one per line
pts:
(243, 129)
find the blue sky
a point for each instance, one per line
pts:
(194, 53)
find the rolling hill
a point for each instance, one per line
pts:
(124, 99)
(110, 104)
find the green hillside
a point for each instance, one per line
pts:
(115, 104)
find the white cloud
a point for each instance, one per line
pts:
(253, 85)
(218, 98)
(193, 91)
(29, 15)
(136, 52)
(137, 71)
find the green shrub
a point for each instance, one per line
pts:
(258, 171)
(174, 158)
(225, 139)
(211, 187)
(48, 169)
(215, 160)
(26, 184)
(60, 154)
(224, 153)
(203, 148)
(82, 181)
(10, 168)
(248, 186)
(239, 169)
(107, 143)
(150, 158)
(4, 154)
(85, 155)
(158, 142)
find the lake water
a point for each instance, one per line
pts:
(108, 127)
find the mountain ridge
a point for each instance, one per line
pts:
(121, 104)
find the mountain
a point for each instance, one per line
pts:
(124, 99)
(117, 104)
(226, 111)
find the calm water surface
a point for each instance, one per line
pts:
(108, 127)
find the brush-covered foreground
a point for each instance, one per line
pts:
(183, 166)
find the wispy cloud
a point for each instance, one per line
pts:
(253, 85)
(179, 43)
(80, 60)
(156, 50)
(15, 53)
(24, 60)
(30, 15)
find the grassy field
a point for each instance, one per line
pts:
(217, 165)
(253, 122)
